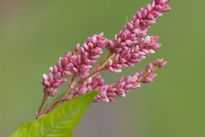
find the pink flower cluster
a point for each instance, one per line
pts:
(88, 54)
(138, 26)
(79, 62)
(132, 55)
(122, 86)
(130, 46)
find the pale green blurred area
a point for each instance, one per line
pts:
(34, 33)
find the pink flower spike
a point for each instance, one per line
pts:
(89, 53)
(129, 57)
(139, 25)
(79, 63)
(109, 92)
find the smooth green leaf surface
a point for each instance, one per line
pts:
(60, 122)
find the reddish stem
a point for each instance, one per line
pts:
(45, 97)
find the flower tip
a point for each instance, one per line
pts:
(106, 100)
(45, 76)
(124, 95)
(160, 63)
(101, 34)
(118, 70)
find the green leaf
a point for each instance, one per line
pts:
(60, 122)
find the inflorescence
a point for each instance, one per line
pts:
(129, 47)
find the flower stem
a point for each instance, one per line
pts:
(100, 67)
(142, 78)
(45, 97)
(55, 104)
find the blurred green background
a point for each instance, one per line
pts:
(34, 33)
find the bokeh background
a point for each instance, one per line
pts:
(34, 33)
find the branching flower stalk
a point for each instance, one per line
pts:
(129, 47)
